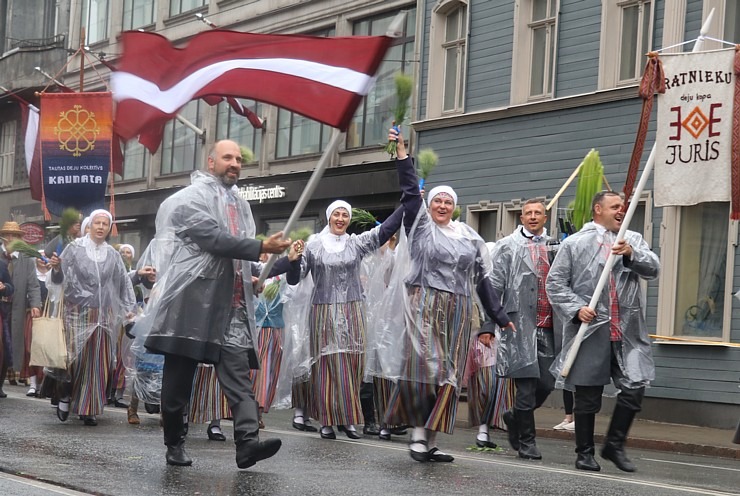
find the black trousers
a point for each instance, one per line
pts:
(232, 371)
(531, 392)
(588, 398)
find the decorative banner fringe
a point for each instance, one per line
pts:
(735, 164)
(653, 80)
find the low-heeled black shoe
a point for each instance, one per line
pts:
(419, 456)
(61, 414)
(305, 426)
(90, 420)
(3, 394)
(118, 403)
(151, 408)
(177, 456)
(485, 444)
(384, 436)
(437, 456)
(250, 453)
(351, 433)
(215, 436)
(328, 435)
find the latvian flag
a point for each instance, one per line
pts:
(323, 79)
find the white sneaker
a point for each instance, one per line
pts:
(570, 426)
(561, 425)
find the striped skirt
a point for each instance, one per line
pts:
(300, 394)
(489, 397)
(90, 368)
(207, 402)
(437, 346)
(382, 389)
(336, 377)
(118, 374)
(264, 380)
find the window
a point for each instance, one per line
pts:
(456, 31)
(7, 152)
(626, 36)
(732, 21)
(230, 125)
(484, 218)
(180, 6)
(533, 60)
(180, 145)
(695, 287)
(136, 160)
(95, 20)
(138, 13)
(370, 124)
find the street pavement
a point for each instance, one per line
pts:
(41, 456)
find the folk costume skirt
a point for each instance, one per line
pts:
(428, 392)
(207, 401)
(270, 354)
(336, 376)
(489, 396)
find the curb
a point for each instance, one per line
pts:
(654, 444)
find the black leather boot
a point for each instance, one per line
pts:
(585, 442)
(249, 448)
(371, 427)
(512, 429)
(527, 434)
(613, 449)
(174, 439)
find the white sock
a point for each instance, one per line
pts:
(482, 433)
(33, 381)
(432, 439)
(326, 429)
(385, 432)
(419, 434)
(64, 404)
(298, 412)
(350, 428)
(215, 424)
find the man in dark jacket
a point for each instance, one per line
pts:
(201, 309)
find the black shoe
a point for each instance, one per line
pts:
(118, 403)
(215, 436)
(485, 444)
(617, 456)
(437, 456)
(251, 452)
(399, 431)
(419, 456)
(151, 408)
(90, 420)
(352, 434)
(3, 394)
(586, 461)
(371, 429)
(512, 430)
(176, 456)
(328, 435)
(62, 415)
(384, 436)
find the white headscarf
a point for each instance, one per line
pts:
(133, 252)
(84, 225)
(101, 211)
(443, 189)
(338, 204)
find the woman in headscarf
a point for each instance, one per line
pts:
(98, 297)
(336, 320)
(446, 264)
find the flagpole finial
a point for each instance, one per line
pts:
(707, 23)
(396, 27)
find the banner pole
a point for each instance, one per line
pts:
(313, 182)
(611, 260)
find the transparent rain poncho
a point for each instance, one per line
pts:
(514, 275)
(179, 261)
(97, 293)
(376, 273)
(570, 285)
(423, 325)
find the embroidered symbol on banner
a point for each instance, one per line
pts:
(695, 122)
(77, 130)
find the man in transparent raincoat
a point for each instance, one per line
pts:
(199, 309)
(616, 345)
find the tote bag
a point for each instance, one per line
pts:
(48, 346)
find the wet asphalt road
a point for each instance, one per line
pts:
(116, 458)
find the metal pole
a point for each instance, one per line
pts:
(573, 352)
(313, 182)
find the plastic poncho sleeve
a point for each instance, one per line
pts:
(643, 261)
(564, 300)
(212, 238)
(490, 297)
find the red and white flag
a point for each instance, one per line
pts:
(32, 147)
(321, 78)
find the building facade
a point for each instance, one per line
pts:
(511, 94)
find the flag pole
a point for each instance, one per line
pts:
(395, 30)
(611, 260)
(305, 196)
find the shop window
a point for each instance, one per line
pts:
(95, 20)
(535, 39)
(626, 36)
(138, 13)
(484, 217)
(180, 6)
(230, 125)
(136, 160)
(181, 147)
(7, 152)
(370, 124)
